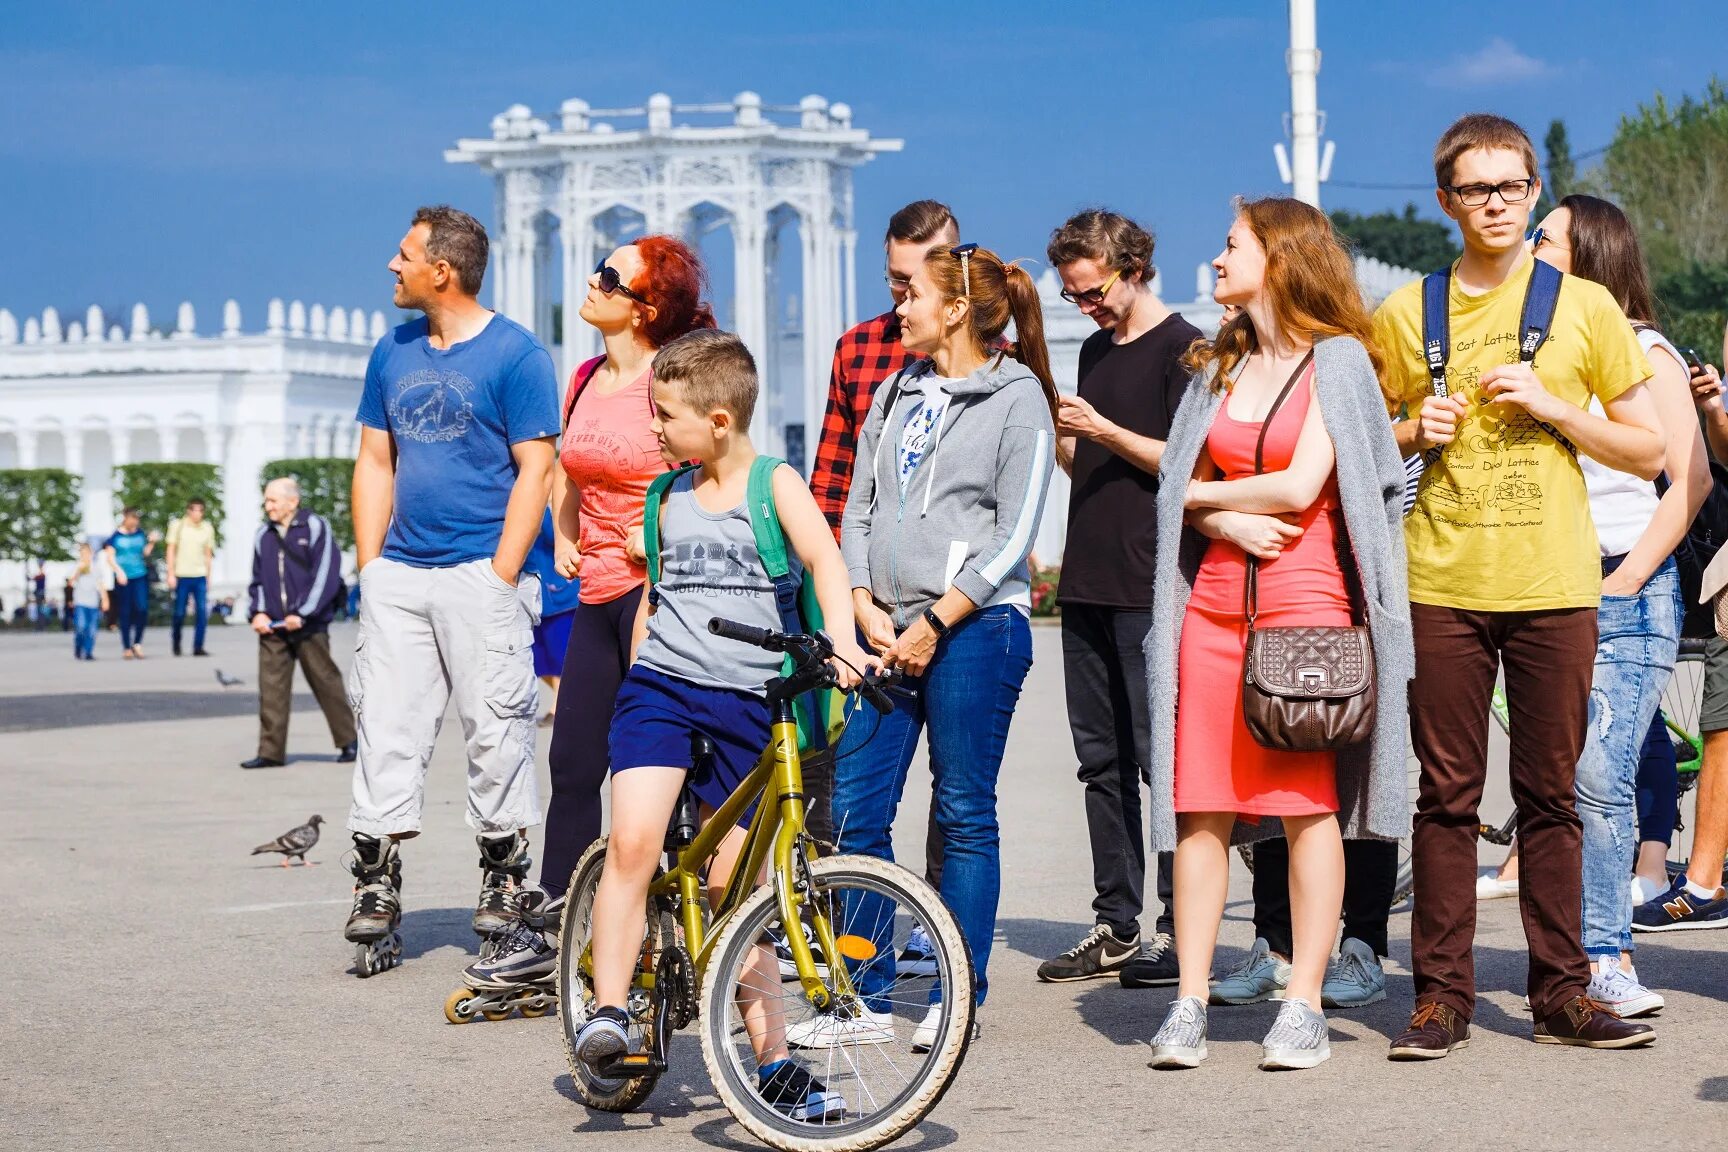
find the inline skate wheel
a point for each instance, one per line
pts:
(496, 1014)
(535, 1009)
(459, 1008)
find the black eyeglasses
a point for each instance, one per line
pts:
(611, 282)
(1476, 195)
(1092, 295)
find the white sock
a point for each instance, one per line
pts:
(1701, 893)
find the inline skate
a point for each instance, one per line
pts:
(377, 869)
(504, 864)
(517, 968)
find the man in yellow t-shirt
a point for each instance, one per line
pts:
(1505, 572)
(191, 548)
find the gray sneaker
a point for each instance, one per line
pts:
(1262, 976)
(1354, 978)
(1181, 1039)
(1297, 1040)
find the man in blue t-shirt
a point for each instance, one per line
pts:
(455, 467)
(128, 554)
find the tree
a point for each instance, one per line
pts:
(1693, 307)
(160, 491)
(1668, 169)
(39, 514)
(1404, 241)
(1561, 173)
(324, 487)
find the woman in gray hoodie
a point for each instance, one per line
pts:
(953, 466)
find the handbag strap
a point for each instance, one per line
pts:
(1250, 591)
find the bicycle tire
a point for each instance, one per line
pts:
(575, 996)
(735, 1085)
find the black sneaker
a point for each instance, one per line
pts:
(1101, 953)
(1154, 967)
(793, 1092)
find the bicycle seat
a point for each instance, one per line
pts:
(702, 750)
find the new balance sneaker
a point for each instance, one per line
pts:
(1297, 1039)
(1262, 976)
(1154, 967)
(796, 1094)
(604, 1035)
(1679, 909)
(1100, 953)
(1619, 992)
(1354, 978)
(1181, 1040)
(918, 958)
(830, 1030)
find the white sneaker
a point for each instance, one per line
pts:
(1619, 992)
(924, 1036)
(1297, 1039)
(831, 1031)
(918, 958)
(1491, 887)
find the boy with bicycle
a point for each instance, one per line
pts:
(685, 681)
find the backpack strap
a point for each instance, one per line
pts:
(579, 381)
(1541, 296)
(1437, 327)
(771, 541)
(657, 490)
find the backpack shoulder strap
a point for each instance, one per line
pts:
(1540, 297)
(578, 381)
(657, 490)
(765, 517)
(1436, 327)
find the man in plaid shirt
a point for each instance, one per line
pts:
(871, 352)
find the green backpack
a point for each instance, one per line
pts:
(816, 712)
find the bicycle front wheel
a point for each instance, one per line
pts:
(884, 1050)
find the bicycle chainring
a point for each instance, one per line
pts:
(675, 984)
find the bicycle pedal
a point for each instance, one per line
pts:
(631, 1065)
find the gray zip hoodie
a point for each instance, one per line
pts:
(969, 512)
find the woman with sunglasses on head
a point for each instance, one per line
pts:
(1639, 524)
(641, 297)
(953, 465)
(1291, 519)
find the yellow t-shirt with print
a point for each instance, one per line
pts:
(1502, 522)
(190, 541)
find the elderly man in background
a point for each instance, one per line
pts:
(296, 582)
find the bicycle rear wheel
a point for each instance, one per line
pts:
(865, 1050)
(1682, 706)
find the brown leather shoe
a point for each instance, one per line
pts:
(1435, 1030)
(1586, 1023)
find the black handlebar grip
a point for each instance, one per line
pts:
(871, 687)
(749, 634)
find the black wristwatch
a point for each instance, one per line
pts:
(935, 623)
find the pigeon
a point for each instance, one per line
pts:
(295, 842)
(228, 681)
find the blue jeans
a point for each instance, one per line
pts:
(966, 697)
(84, 639)
(195, 588)
(134, 600)
(1638, 639)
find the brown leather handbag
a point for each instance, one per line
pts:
(1307, 689)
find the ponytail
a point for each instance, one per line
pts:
(1029, 347)
(996, 293)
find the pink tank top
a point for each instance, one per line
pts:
(611, 455)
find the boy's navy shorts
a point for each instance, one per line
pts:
(657, 714)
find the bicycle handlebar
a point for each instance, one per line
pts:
(748, 633)
(807, 650)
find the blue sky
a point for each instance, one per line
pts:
(216, 150)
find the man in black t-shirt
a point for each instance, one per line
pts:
(1110, 440)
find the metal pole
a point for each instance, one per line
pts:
(1303, 61)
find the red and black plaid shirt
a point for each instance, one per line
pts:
(864, 357)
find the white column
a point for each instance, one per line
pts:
(169, 438)
(576, 237)
(849, 275)
(750, 307)
(26, 448)
(813, 386)
(1303, 62)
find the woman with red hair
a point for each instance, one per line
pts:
(640, 298)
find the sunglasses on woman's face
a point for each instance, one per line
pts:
(611, 282)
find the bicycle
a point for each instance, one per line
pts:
(1682, 701)
(848, 914)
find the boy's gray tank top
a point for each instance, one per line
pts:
(709, 567)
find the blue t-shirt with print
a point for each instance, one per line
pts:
(453, 414)
(129, 552)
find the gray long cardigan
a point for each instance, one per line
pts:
(1373, 793)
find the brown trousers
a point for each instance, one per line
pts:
(277, 655)
(1548, 659)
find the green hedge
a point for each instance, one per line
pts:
(161, 490)
(39, 514)
(324, 487)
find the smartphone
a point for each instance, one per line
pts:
(1694, 362)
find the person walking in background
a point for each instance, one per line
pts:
(558, 599)
(458, 416)
(191, 549)
(296, 581)
(1505, 574)
(641, 298)
(1110, 440)
(958, 451)
(127, 553)
(1288, 517)
(89, 601)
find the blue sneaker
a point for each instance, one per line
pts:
(1677, 910)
